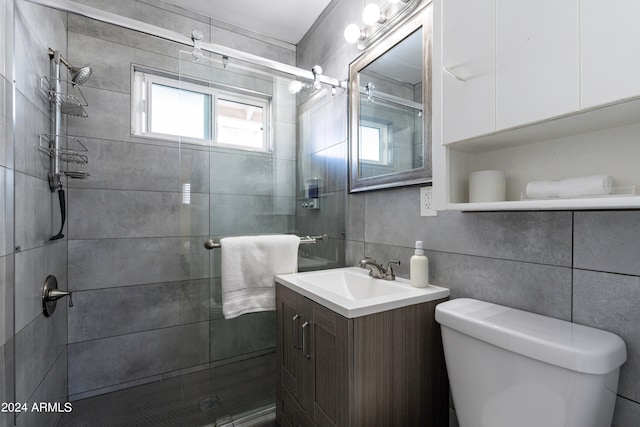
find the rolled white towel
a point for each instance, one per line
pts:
(594, 185)
(542, 189)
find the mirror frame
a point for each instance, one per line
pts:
(422, 18)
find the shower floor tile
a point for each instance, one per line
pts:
(193, 400)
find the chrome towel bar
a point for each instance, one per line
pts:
(306, 240)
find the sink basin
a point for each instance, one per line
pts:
(351, 292)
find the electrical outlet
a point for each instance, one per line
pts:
(426, 202)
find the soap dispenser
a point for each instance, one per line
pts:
(419, 267)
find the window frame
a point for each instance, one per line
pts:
(384, 143)
(141, 108)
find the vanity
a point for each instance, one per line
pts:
(357, 351)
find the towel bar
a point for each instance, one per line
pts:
(306, 240)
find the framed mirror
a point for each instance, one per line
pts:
(390, 108)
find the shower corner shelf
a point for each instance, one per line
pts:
(47, 146)
(71, 103)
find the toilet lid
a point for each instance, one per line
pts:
(558, 342)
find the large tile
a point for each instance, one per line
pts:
(328, 164)
(131, 357)
(38, 346)
(37, 29)
(116, 311)
(355, 217)
(97, 213)
(609, 302)
(235, 172)
(393, 217)
(109, 116)
(116, 75)
(241, 214)
(627, 413)
(252, 45)
(242, 335)
(607, 241)
(52, 389)
(31, 123)
(32, 268)
(354, 252)
(158, 14)
(329, 219)
(541, 289)
(132, 166)
(37, 212)
(104, 263)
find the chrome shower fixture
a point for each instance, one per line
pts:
(79, 75)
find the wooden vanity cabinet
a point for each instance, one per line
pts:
(384, 369)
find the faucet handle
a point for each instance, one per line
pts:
(389, 275)
(367, 260)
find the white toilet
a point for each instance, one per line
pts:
(511, 368)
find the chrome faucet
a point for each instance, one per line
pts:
(377, 271)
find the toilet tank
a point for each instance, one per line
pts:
(509, 367)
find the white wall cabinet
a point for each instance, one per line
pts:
(469, 68)
(537, 65)
(542, 90)
(610, 35)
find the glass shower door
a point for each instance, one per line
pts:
(243, 171)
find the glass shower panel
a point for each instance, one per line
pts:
(322, 159)
(246, 173)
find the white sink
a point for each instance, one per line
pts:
(352, 293)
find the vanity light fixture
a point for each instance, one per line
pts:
(353, 33)
(372, 14)
(376, 19)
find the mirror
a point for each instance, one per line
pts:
(390, 109)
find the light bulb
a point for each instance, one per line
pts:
(371, 14)
(352, 33)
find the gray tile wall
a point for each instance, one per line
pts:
(40, 343)
(147, 294)
(7, 174)
(577, 266)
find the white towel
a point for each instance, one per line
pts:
(249, 267)
(594, 185)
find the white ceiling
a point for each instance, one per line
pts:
(285, 20)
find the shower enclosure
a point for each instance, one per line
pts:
(145, 342)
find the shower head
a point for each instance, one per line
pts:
(79, 75)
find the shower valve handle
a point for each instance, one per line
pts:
(56, 294)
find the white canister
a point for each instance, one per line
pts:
(487, 186)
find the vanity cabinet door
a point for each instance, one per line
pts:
(610, 67)
(330, 356)
(290, 315)
(537, 60)
(468, 72)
